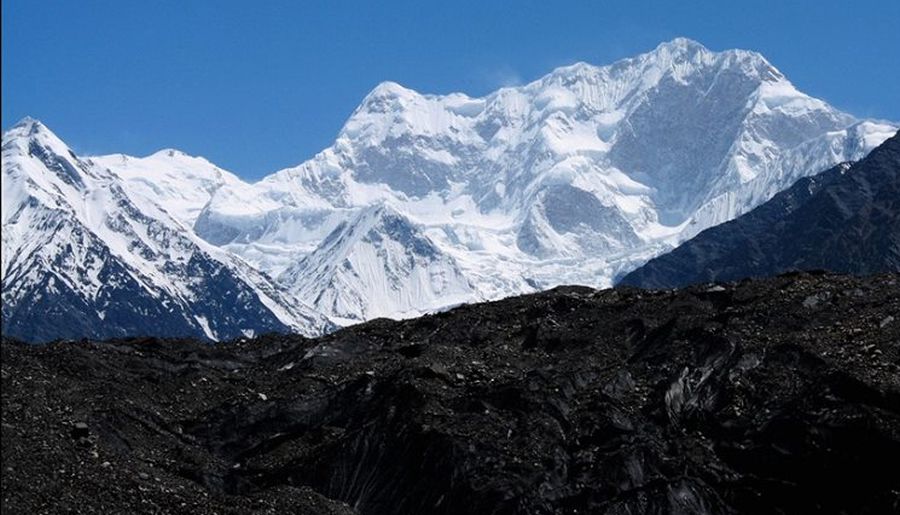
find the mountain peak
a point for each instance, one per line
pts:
(385, 97)
(27, 121)
(27, 126)
(676, 50)
(170, 152)
(681, 57)
(29, 131)
(681, 45)
(389, 90)
(681, 49)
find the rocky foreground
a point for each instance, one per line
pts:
(771, 396)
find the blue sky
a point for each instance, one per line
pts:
(259, 86)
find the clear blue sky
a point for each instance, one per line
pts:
(256, 86)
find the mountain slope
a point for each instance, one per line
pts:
(377, 264)
(81, 259)
(845, 220)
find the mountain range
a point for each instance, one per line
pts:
(422, 202)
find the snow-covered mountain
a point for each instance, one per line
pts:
(84, 257)
(575, 178)
(426, 201)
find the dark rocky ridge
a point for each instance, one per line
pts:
(771, 396)
(841, 220)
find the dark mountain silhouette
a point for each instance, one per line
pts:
(843, 220)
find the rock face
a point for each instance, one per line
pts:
(772, 396)
(845, 220)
